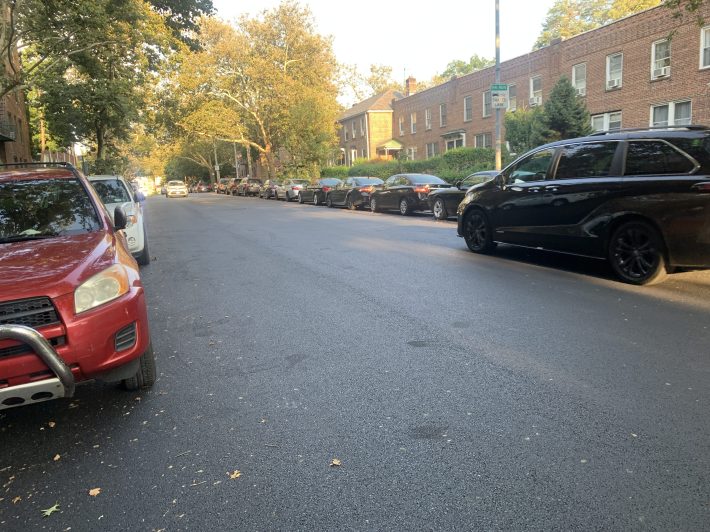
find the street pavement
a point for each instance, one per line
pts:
(518, 391)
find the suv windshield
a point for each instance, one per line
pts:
(43, 208)
(111, 191)
(176, 184)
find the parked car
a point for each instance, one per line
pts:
(353, 193)
(406, 193)
(115, 192)
(268, 189)
(221, 187)
(72, 305)
(249, 186)
(444, 201)
(201, 186)
(639, 199)
(289, 189)
(232, 186)
(164, 190)
(316, 191)
(176, 189)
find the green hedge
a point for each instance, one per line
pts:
(451, 166)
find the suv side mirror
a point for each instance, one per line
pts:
(119, 219)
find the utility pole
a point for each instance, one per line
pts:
(236, 160)
(216, 164)
(498, 113)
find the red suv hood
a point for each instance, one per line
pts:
(54, 266)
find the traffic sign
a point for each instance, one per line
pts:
(499, 96)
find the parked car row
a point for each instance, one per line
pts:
(639, 199)
(72, 304)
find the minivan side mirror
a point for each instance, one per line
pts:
(119, 219)
(458, 183)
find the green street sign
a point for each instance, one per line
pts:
(499, 87)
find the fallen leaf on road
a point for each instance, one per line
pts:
(51, 510)
(16, 499)
(94, 491)
(235, 474)
(52, 424)
(335, 463)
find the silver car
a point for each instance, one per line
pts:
(176, 189)
(114, 192)
(290, 188)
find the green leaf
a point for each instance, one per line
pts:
(51, 510)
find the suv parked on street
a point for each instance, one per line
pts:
(406, 193)
(637, 198)
(72, 305)
(249, 186)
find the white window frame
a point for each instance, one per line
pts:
(487, 106)
(352, 126)
(513, 101)
(703, 32)
(467, 108)
(443, 117)
(607, 120)
(663, 71)
(535, 95)
(413, 123)
(346, 132)
(671, 113)
(579, 85)
(432, 149)
(362, 126)
(482, 137)
(614, 83)
(427, 119)
(400, 122)
(412, 153)
(461, 137)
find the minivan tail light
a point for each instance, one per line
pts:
(422, 189)
(702, 187)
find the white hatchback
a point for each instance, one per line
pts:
(176, 189)
(114, 192)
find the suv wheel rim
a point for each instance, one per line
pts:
(476, 230)
(373, 204)
(635, 253)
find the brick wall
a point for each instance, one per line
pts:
(633, 36)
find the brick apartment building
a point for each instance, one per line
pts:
(648, 69)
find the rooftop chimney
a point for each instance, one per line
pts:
(410, 86)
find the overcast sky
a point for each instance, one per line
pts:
(415, 37)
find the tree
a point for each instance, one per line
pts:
(524, 129)
(458, 67)
(354, 84)
(567, 18)
(565, 114)
(680, 8)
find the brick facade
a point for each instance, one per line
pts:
(633, 36)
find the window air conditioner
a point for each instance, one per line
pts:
(613, 84)
(581, 91)
(662, 72)
(535, 100)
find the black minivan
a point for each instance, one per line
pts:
(637, 198)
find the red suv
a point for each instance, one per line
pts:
(72, 306)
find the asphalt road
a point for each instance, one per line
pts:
(520, 391)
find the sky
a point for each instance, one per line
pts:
(416, 38)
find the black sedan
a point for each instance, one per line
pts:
(316, 191)
(406, 193)
(445, 201)
(353, 193)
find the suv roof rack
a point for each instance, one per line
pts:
(650, 128)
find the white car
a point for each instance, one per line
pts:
(114, 192)
(176, 189)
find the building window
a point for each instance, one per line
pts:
(442, 115)
(512, 97)
(401, 126)
(483, 140)
(412, 153)
(579, 78)
(427, 119)
(705, 47)
(455, 141)
(467, 109)
(661, 59)
(413, 123)
(362, 126)
(671, 114)
(352, 127)
(535, 91)
(353, 156)
(614, 68)
(432, 149)
(607, 121)
(486, 104)
(347, 135)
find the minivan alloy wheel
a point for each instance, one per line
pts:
(636, 253)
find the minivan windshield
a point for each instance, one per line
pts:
(45, 208)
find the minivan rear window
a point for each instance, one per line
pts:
(592, 159)
(655, 157)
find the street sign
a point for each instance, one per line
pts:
(499, 96)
